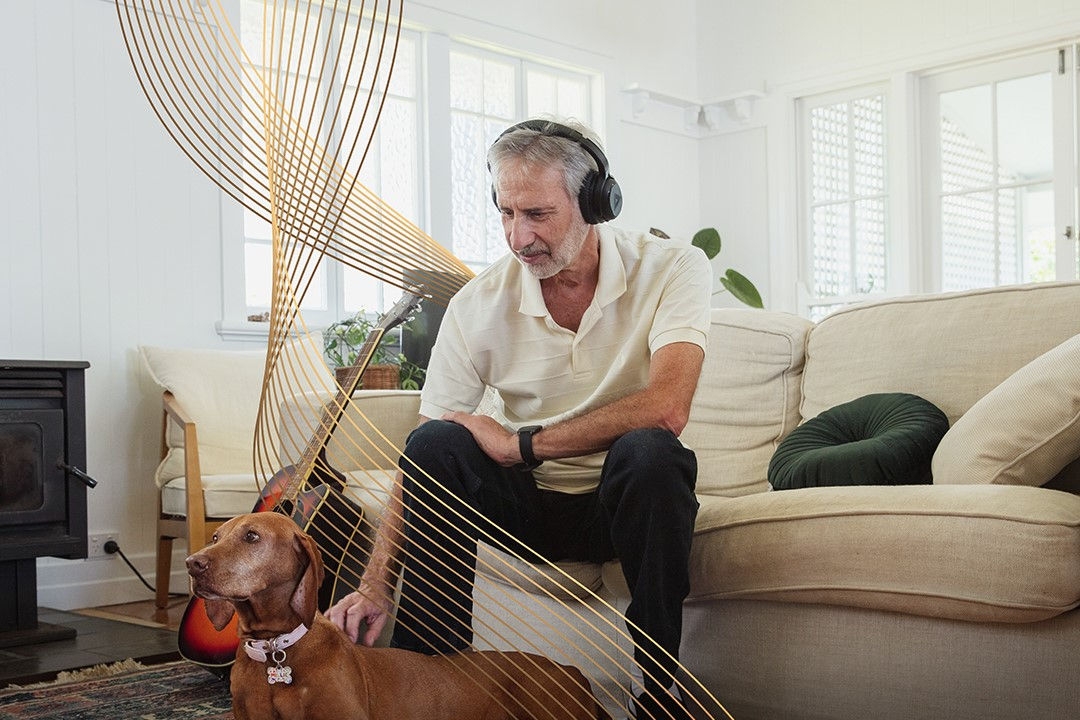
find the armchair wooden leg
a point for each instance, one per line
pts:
(164, 570)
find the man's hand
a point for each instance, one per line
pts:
(363, 606)
(496, 441)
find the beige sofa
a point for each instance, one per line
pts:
(953, 600)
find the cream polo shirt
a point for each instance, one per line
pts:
(497, 333)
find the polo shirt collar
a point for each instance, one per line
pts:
(610, 285)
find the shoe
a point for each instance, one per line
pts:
(659, 706)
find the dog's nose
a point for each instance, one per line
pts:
(197, 564)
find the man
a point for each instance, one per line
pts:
(593, 340)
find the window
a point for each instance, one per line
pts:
(940, 181)
(391, 167)
(845, 199)
(997, 181)
(487, 91)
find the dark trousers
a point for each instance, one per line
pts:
(642, 513)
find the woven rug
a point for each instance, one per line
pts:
(123, 691)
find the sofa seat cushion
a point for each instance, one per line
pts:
(225, 496)
(987, 553)
(1024, 431)
(878, 439)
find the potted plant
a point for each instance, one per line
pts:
(740, 287)
(389, 368)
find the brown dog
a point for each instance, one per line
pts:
(266, 569)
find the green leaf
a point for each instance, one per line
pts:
(708, 239)
(741, 288)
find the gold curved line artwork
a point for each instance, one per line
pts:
(263, 112)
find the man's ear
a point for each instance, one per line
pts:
(220, 612)
(305, 599)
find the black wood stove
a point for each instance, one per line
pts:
(42, 486)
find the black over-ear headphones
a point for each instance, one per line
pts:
(600, 197)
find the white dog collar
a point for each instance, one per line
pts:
(274, 650)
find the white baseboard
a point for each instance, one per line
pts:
(73, 584)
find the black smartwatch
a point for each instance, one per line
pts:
(525, 436)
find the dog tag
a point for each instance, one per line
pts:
(278, 673)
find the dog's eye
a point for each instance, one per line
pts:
(251, 536)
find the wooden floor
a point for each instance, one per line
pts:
(142, 613)
(102, 635)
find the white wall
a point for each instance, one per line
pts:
(788, 48)
(112, 239)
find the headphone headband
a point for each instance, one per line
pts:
(600, 197)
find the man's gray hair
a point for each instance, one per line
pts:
(540, 148)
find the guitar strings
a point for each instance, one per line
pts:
(291, 192)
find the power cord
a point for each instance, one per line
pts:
(111, 547)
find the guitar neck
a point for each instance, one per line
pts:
(333, 411)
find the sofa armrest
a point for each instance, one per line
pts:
(369, 435)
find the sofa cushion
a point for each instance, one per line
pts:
(747, 398)
(878, 439)
(369, 435)
(950, 348)
(985, 553)
(1024, 431)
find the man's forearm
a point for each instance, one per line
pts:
(663, 403)
(385, 563)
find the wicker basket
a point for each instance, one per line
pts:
(375, 377)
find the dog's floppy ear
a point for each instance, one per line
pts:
(305, 599)
(220, 612)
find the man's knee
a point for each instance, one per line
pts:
(650, 461)
(434, 440)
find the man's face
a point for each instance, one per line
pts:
(542, 222)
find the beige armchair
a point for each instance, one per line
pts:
(210, 401)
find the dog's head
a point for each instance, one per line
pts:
(258, 558)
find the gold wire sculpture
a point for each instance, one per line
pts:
(262, 119)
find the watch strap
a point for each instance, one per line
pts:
(525, 436)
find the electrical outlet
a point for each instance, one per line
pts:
(95, 545)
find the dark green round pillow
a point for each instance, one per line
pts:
(879, 439)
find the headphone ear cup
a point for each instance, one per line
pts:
(600, 198)
(612, 199)
(588, 196)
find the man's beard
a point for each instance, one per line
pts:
(556, 262)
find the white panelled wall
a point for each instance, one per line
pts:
(112, 239)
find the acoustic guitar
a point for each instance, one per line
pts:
(311, 492)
